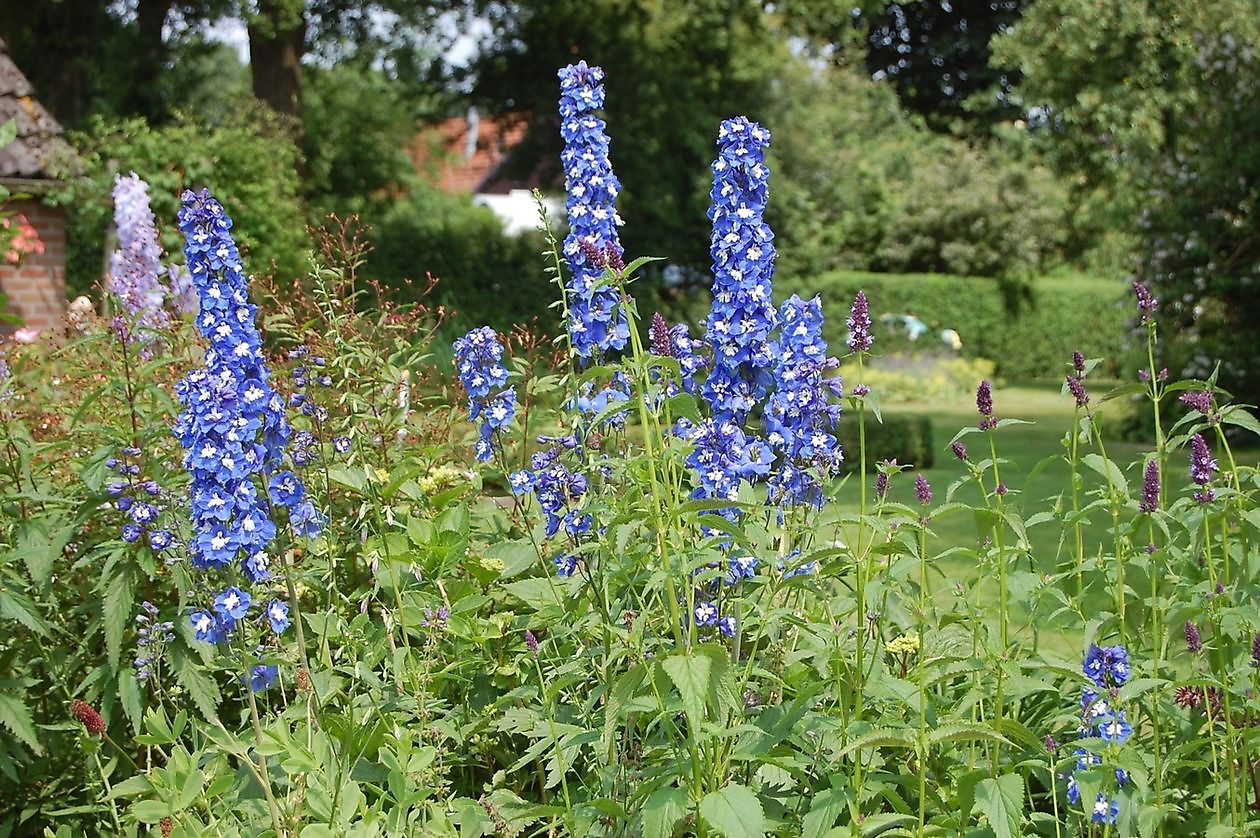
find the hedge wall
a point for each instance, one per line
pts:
(1033, 338)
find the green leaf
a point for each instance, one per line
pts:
(879, 738)
(964, 731)
(691, 674)
(828, 806)
(1107, 469)
(201, 687)
(129, 696)
(734, 812)
(1002, 802)
(117, 607)
(663, 809)
(18, 606)
(16, 717)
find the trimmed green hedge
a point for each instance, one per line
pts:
(907, 439)
(1032, 337)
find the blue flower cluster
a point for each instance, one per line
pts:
(590, 402)
(706, 616)
(151, 637)
(804, 407)
(743, 316)
(560, 493)
(233, 428)
(143, 501)
(479, 361)
(597, 323)
(303, 376)
(1108, 668)
(723, 456)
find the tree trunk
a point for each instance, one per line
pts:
(277, 36)
(150, 57)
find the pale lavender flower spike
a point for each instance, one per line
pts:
(135, 265)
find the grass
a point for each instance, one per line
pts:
(1031, 489)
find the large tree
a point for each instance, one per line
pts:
(675, 70)
(1157, 103)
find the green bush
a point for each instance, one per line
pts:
(906, 439)
(247, 160)
(487, 276)
(1030, 337)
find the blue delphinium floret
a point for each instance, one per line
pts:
(1105, 809)
(804, 408)
(278, 616)
(479, 362)
(597, 322)
(1107, 666)
(262, 676)
(135, 266)
(743, 317)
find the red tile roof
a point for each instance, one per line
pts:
(445, 157)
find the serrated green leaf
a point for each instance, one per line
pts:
(15, 716)
(1002, 802)
(201, 687)
(964, 732)
(828, 806)
(879, 738)
(734, 811)
(116, 605)
(662, 811)
(15, 605)
(692, 674)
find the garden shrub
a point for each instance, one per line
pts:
(925, 380)
(247, 158)
(906, 439)
(484, 274)
(1026, 338)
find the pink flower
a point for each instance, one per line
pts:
(26, 335)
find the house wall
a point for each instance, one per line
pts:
(36, 289)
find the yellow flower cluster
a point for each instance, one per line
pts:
(907, 644)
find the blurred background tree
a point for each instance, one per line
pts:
(1008, 139)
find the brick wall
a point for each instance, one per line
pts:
(36, 290)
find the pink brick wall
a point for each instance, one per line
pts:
(36, 289)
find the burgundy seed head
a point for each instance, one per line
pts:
(88, 716)
(1078, 362)
(881, 485)
(1188, 697)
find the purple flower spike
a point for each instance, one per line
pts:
(1150, 487)
(1255, 650)
(984, 404)
(661, 343)
(960, 451)
(531, 642)
(860, 339)
(922, 490)
(1077, 388)
(1078, 363)
(1202, 465)
(1145, 302)
(1200, 400)
(1194, 642)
